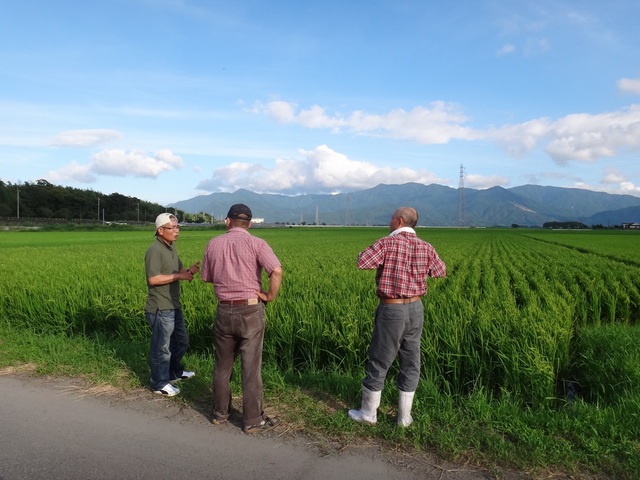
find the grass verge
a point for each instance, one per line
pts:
(579, 439)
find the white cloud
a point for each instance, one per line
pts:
(482, 182)
(586, 137)
(280, 111)
(622, 188)
(613, 175)
(506, 49)
(629, 85)
(118, 163)
(617, 182)
(435, 125)
(84, 138)
(629, 188)
(438, 124)
(73, 172)
(167, 157)
(613, 181)
(316, 118)
(320, 170)
(519, 139)
(577, 137)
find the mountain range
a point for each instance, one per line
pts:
(437, 205)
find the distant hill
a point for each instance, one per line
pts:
(437, 205)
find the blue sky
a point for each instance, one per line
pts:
(168, 99)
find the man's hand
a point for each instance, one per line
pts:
(275, 280)
(195, 268)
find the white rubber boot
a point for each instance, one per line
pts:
(368, 412)
(405, 402)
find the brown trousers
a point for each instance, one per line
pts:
(238, 330)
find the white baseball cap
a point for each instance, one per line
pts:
(164, 218)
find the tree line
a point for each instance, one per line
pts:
(43, 200)
(566, 225)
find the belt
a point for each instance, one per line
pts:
(399, 300)
(236, 303)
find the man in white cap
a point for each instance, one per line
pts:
(169, 339)
(233, 263)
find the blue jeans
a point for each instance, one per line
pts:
(397, 333)
(169, 343)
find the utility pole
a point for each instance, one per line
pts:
(461, 220)
(347, 213)
(18, 202)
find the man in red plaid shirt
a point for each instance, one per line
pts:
(403, 263)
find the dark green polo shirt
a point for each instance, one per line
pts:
(162, 259)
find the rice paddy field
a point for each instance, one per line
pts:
(530, 351)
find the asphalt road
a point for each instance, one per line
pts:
(62, 429)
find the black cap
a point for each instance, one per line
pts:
(239, 211)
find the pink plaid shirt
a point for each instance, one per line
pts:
(404, 262)
(233, 262)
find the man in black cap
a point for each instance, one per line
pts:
(233, 263)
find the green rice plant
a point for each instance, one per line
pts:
(502, 320)
(612, 244)
(320, 314)
(605, 363)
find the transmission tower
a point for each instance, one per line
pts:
(461, 221)
(347, 213)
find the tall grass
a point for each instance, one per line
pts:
(502, 320)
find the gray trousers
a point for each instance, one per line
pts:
(238, 330)
(397, 332)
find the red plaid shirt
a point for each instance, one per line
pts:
(404, 262)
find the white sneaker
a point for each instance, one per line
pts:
(185, 375)
(168, 390)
